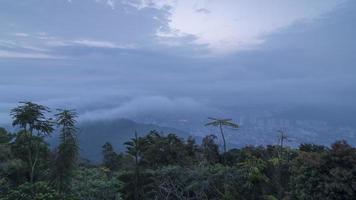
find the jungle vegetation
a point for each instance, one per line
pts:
(164, 166)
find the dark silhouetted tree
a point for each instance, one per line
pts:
(32, 119)
(210, 149)
(220, 123)
(67, 153)
(110, 157)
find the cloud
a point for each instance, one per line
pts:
(203, 10)
(11, 54)
(141, 4)
(239, 25)
(111, 3)
(58, 41)
(16, 45)
(21, 34)
(168, 74)
(101, 44)
(153, 107)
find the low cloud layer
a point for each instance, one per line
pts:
(108, 61)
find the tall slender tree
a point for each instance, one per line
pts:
(32, 119)
(282, 138)
(68, 149)
(220, 123)
(135, 149)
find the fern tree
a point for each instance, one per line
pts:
(220, 123)
(67, 152)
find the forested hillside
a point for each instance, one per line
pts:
(93, 134)
(159, 165)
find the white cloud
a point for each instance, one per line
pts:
(9, 44)
(232, 25)
(34, 48)
(140, 4)
(95, 43)
(12, 54)
(102, 44)
(58, 42)
(111, 4)
(149, 106)
(21, 34)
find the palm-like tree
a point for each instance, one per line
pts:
(31, 117)
(135, 149)
(220, 123)
(68, 148)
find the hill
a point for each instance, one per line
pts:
(93, 134)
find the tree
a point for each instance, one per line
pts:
(19, 149)
(210, 149)
(325, 175)
(93, 183)
(191, 149)
(220, 123)
(168, 149)
(12, 169)
(253, 176)
(37, 191)
(135, 149)
(31, 118)
(312, 148)
(110, 157)
(68, 148)
(5, 137)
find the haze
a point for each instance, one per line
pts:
(172, 61)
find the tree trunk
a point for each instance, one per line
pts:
(223, 137)
(136, 195)
(31, 163)
(223, 159)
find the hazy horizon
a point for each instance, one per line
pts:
(173, 61)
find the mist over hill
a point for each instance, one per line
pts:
(94, 134)
(305, 124)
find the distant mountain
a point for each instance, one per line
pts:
(93, 134)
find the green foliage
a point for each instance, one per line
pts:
(136, 185)
(210, 149)
(68, 149)
(221, 123)
(28, 191)
(111, 159)
(5, 137)
(158, 150)
(165, 166)
(312, 148)
(94, 184)
(34, 153)
(327, 175)
(5, 151)
(12, 169)
(32, 118)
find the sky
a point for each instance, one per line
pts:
(170, 59)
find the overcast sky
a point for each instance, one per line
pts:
(127, 58)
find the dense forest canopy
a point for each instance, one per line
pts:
(164, 165)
